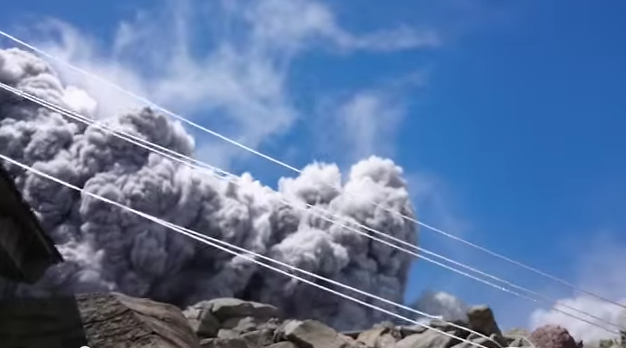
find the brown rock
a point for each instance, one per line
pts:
(552, 336)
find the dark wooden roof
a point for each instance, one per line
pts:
(26, 251)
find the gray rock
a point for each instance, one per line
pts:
(351, 334)
(370, 336)
(313, 334)
(206, 342)
(283, 345)
(202, 321)
(226, 308)
(518, 342)
(256, 339)
(224, 343)
(494, 341)
(479, 340)
(227, 334)
(118, 321)
(259, 338)
(251, 339)
(499, 339)
(461, 329)
(515, 337)
(517, 332)
(412, 330)
(379, 337)
(429, 339)
(481, 319)
(248, 324)
(386, 341)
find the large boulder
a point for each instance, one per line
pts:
(481, 319)
(202, 321)
(224, 319)
(380, 337)
(428, 339)
(283, 345)
(412, 330)
(118, 321)
(313, 334)
(227, 308)
(552, 336)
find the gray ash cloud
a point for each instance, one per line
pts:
(108, 249)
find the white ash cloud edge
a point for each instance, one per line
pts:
(110, 250)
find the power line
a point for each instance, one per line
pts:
(283, 164)
(223, 175)
(233, 179)
(224, 246)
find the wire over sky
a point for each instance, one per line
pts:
(251, 256)
(224, 175)
(283, 164)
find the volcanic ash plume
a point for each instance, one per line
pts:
(109, 249)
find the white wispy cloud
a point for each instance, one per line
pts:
(292, 23)
(226, 62)
(601, 271)
(366, 122)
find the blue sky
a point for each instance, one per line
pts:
(508, 118)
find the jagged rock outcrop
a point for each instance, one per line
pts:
(119, 321)
(232, 323)
(95, 320)
(481, 319)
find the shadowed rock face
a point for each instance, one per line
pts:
(41, 323)
(481, 319)
(94, 320)
(116, 320)
(26, 251)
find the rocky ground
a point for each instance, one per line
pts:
(119, 321)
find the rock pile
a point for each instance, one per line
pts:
(118, 321)
(232, 323)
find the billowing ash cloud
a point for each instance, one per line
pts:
(441, 303)
(108, 249)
